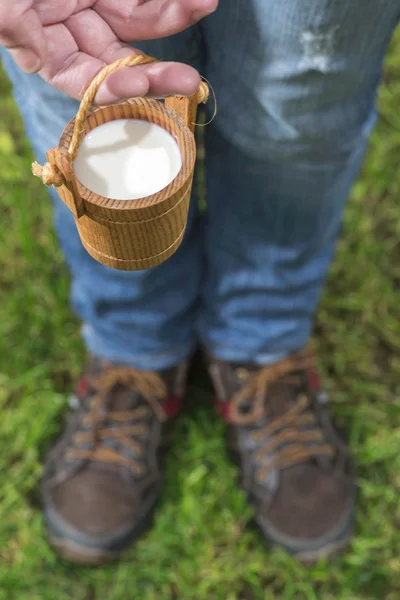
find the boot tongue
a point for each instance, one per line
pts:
(119, 397)
(122, 398)
(282, 395)
(280, 398)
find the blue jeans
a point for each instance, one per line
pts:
(296, 82)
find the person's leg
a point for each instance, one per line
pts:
(103, 476)
(295, 82)
(145, 318)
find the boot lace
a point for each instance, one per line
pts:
(102, 429)
(291, 438)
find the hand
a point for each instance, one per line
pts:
(69, 41)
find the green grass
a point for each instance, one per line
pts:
(202, 545)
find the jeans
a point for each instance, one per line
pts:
(296, 83)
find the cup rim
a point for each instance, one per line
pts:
(143, 109)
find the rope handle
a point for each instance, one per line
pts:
(49, 173)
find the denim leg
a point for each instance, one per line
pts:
(144, 318)
(296, 82)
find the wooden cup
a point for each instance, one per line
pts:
(129, 234)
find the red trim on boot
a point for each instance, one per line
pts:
(82, 389)
(172, 406)
(313, 380)
(223, 408)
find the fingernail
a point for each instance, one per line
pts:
(36, 66)
(26, 59)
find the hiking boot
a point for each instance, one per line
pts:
(294, 466)
(102, 478)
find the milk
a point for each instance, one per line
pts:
(127, 159)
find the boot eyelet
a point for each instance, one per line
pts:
(242, 373)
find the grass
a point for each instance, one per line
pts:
(202, 545)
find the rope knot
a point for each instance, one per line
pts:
(49, 174)
(203, 93)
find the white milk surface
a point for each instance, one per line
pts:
(127, 159)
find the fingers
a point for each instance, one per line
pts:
(95, 37)
(22, 33)
(70, 68)
(162, 79)
(133, 20)
(56, 11)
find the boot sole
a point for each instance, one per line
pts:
(328, 551)
(76, 552)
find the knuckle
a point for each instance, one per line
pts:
(4, 24)
(12, 15)
(8, 23)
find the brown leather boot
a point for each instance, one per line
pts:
(294, 467)
(102, 478)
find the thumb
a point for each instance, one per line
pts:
(23, 36)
